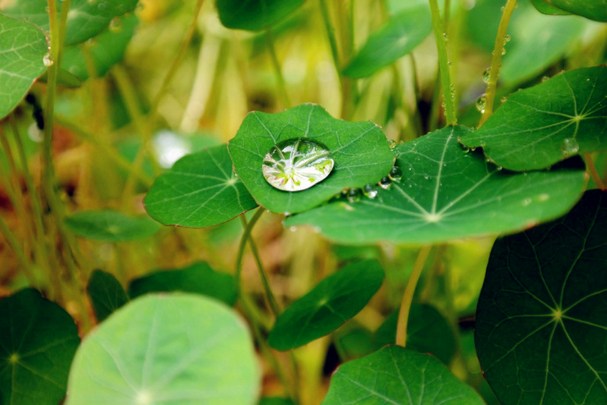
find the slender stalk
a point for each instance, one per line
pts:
(496, 60)
(11, 239)
(405, 305)
(593, 172)
(447, 86)
(282, 88)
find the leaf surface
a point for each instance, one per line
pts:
(254, 15)
(107, 295)
(594, 10)
(110, 226)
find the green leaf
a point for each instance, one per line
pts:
(546, 7)
(275, 401)
(200, 190)
(394, 375)
(541, 324)
(197, 278)
(546, 123)
(110, 226)
(166, 349)
(38, 340)
(398, 37)
(447, 193)
(85, 18)
(254, 15)
(22, 51)
(594, 10)
(107, 295)
(105, 51)
(360, 151)
(428, 331)
(327, 306)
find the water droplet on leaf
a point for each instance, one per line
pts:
(385, 183)
(481, 103)
(395, 173)
(116, 24)
(370, 191)
(353, 195)
(569, 147)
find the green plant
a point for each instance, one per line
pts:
(368, 244)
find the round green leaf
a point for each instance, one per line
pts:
(201, 189)
(394, 375)
(327, 306)
(198, 278)
(360, 151)
(110, 226)
(594, 10)
(398, 37)
(107, 295)
(254, 15)
(166, 349)
(447, 193)
(544, 124)
(22, 51)
(546, 7)
(38, 340)
(541, 324)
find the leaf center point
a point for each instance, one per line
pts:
(432, 217)
(557, 314)
(143, 398)
(14, 358)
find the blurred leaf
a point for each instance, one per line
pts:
(275, 401)
(541, 325)
(594, 10)
(359, 149)
(447, 193)
(254, 15)
(353, 342)
(110, 226)
(398, 37)
(38, 340)
(107, 295)
(197, 278)
(546, 7)
(394, 375)
(546, 123)
(327, 306)
(200, 190)
(173, 349)
(22, 51)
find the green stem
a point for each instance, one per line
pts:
(282, 88)
(596, 177)
(19, 253)
(405, 305)
(496, 60)
(447, 86)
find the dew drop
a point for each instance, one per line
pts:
(353, 195)
(445, 37)
(116, 24)
(507, 38)
(385, 183)
(503, 100)
(395, 173)
(569, 147)
(370, 191)
(48, 60)
(296, 164)
(486, 75)
(481, 103)
(503, 51)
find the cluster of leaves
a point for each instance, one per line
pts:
(541, 325)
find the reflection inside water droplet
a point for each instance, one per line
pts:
(395, 173)
(296, 164)
(385, 183)
(370, 191)
(481, 104)
(569, 147)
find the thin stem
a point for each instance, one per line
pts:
(405, 305)
(243, 242)
(282, 88)
(19, 253)
(596, 177)
(496, 60)
(447, 86)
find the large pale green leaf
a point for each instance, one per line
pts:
(541, 327)
(394, 375)
(107, 295)
(546, 123)
(172, 349)
(110, 226)
(327, 306)
(592, 9)
(38, 340)
(22, 51)
(360, 151)
(447, 193)
(200, 190)
(254, 15)
(398, 37)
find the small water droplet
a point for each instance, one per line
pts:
(296, 164)
(481, 103)
(499, 168)
(486, 74)
(392, 144)
(503, 51)
(503, 99)
(544, 78)
(353, 195)
(569, 147)
(395, 173)
(507, 38)
(426, 177)
(48, 60)
(445, 37)
(116, 24)
(370, 191)
(526, 201)
(385, 183)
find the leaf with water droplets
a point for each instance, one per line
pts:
(110, 226)
(200, 190)
(254, 15)
(549, 122)
(594, 10)
(541, 325)
(359, 152)
(447, 193)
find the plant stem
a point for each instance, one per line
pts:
(405, 305)
(496, 60)
(447, 86)
(593, 172)
(282, 88)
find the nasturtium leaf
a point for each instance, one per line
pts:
(23, 48)
(546, 7)
(200, 190)
(327, 306)
(275, 401)
(38, 340)
(546, 123)
(402, 33)
(107, 295)
(447, 193)
(428, 331)
(198, 278)
(360, 152)
(110, 226)
(254, 15)
(166, 349)
(594, 9)
(85, 18)
(394, 375)
(354, 342)
(541, 324)
(105, 51)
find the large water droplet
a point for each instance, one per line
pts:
(569, 147)
(296, 164)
